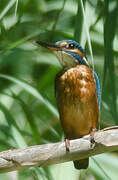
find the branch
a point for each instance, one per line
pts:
(105, 141)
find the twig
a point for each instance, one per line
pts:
(40, 155)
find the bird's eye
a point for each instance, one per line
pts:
(71, 46)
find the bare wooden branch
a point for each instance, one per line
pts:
(105, 141)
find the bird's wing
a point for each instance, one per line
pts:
(97, 87)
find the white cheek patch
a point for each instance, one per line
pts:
(85, 60)
(65, 59)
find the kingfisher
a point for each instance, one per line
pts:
(77, 90)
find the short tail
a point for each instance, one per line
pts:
(81, 164)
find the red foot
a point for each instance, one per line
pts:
(92, 133)
(67, 144)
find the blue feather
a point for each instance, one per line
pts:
(97, 87)
(73, 42)
(74, 54)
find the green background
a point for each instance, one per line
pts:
(28, 112)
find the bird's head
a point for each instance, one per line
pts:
(69, 52)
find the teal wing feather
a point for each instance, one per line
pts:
(97, 87)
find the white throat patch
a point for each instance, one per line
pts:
(65, 59)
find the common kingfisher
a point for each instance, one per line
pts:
(77, 92)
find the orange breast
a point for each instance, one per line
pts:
(77, 101)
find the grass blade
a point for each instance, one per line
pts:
(32, 91)
(109, 35)
(79, 23)
(14, 128)
(6, 9)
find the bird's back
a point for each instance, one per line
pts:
(77, 102)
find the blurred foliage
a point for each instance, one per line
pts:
(28, 112)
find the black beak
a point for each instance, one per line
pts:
(50, 46)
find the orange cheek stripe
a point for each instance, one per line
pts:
(63, 44)
(77, 51)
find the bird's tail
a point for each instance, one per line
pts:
(81, 164)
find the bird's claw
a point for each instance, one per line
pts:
(92, 133)
(67, 144)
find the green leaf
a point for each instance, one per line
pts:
(104, 166)
(15, 131)
(32, 91)
(109, 67)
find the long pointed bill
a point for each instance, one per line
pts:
(51, 46)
